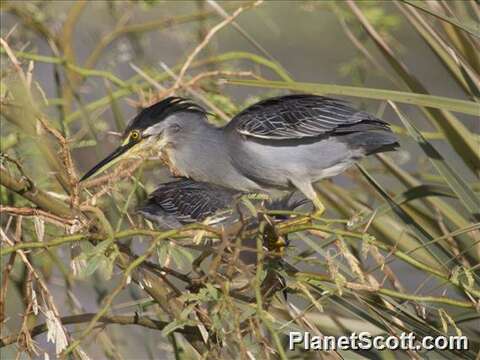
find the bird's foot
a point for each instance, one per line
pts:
(278, 246)
(319, 208)
(248, 201)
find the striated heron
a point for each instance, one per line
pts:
(184, 201)
(284, 142)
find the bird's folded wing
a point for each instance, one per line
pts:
(191, 201)
(302, 116)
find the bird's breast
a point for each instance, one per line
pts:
(168, 159)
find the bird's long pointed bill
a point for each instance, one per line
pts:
(108, 161)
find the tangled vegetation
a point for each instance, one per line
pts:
(397, 251)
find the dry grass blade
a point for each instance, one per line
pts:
(457, 134)
(465, 194)
(445, 53)
(453, 21)
(440, 253)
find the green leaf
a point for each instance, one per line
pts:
(92, 265)
(439, 102)
(180, 256)
(174, 325)
(94, 258)
(163, 252)
(212, 291)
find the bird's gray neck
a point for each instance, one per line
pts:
(202, 155)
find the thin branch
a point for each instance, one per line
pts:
(3, 290)
(47, 296)
(225, 57)
(390, 292)
(35, 195)
(120, 235)
(25, 211)
(109, 300)
(218, 8)
(15, 62)
(119, 173)
(140, 28)
(208, 37)
(66, 159)
(195, 93)
(106, 319)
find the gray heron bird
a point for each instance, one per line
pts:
(284, 142)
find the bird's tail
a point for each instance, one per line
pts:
(372, 142)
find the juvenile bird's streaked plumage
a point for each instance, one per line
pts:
(184, 201)
(285, 142)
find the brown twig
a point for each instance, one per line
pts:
(3, 290)
(106, 319)
(66, 160)
(37, 196)
(47, 296)
(119, 173)
(15, 62)
(208, 37)
(25, 211)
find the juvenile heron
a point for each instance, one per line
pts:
(284, 142)
(184, 201)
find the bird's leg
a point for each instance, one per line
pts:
(307, 189)
(319, 207)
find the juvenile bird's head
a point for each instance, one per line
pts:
(154, 127)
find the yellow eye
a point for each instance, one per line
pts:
(134, 135)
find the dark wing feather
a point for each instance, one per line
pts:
(301, 116)
(189, 201)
